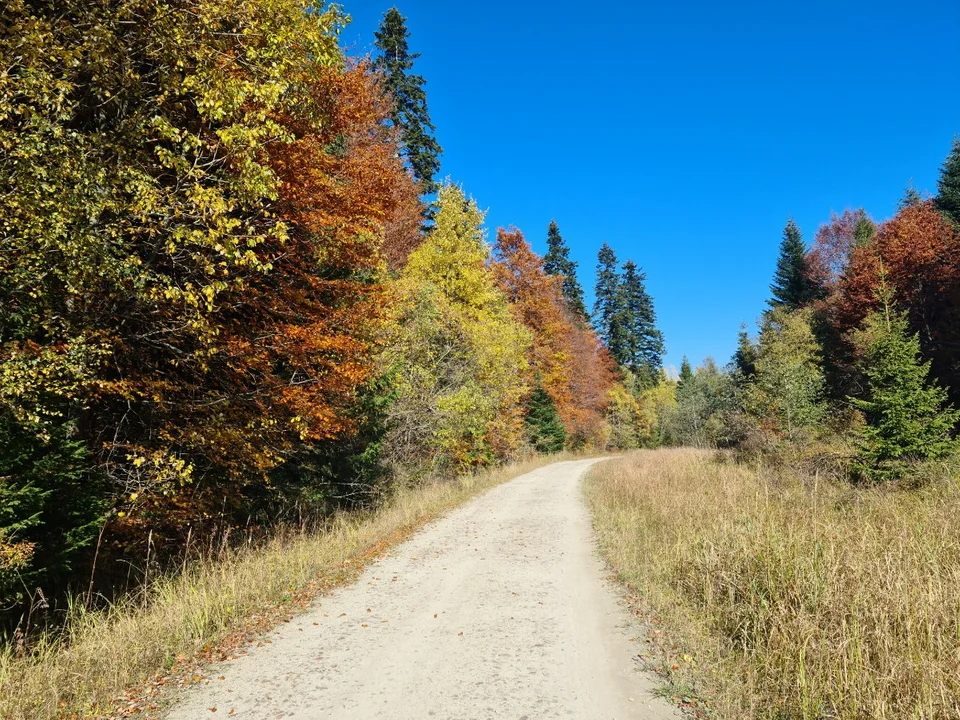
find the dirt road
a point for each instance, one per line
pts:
(499, 610)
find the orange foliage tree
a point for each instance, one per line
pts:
(566, 356)
(293, 342)
(919, 252)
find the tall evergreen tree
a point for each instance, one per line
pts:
(948, 187)
(644, 350)
(419, 146)
(557, 262)
(910, 197)
(908, 418)
(609, 309)
(745, 357)
(792, 288)
(686, 373)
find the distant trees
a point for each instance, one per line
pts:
(409, 112)
(856, 363)
(625, 318)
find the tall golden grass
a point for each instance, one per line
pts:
(810, 598)
(81, 670)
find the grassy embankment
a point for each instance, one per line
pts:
(213, 604)
(789, 597)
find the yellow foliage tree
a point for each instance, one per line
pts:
(457, 354)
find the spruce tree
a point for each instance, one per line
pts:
(792, 288)
(908, 418)
(910, 197)
(543, 423)
(418, 144)
(686, 374)
(644, 342)
(609, 309)
(745, 357)
(864, 231)
(557, 262)
(948, 187)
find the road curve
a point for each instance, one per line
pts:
(498, 610)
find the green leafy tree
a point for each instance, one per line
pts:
(543, 424)
(789, 386)
(610, 307)
(557, 262)
(644, 341)
(792, 287)
(948, 187)
(703, 403)
(908, 418)
(410, 114)
(457, 352)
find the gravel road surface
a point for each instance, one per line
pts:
(500, 609)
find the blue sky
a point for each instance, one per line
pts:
(684, 133)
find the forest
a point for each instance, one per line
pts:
(235, 294)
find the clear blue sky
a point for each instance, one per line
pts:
(684, 133)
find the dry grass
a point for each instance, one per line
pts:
(806, 598)
(98, 655)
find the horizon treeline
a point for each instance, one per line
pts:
(233, 292)
(856, 369)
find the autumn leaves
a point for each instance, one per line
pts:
(218, 298)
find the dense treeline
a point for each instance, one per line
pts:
(232, 291)
(858, 357)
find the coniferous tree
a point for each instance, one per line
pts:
(792, 288)
(948, 187)
(557, 262)
(418, 144)
(644, 350)
(543, 423)
(745, 357)
(863, 231)
(908, 418)
(686, 374)
(910, 197)
(609, 309)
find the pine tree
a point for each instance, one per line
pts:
(543, 423)
(419, 146)
(864, 231)
(792, 288)
(644, 349)
(686, 374)
(745, 357)
(609, 309)
(948, 187)
(910, 197)
(557, 262)
(908, 418)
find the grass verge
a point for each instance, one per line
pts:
(779, 596)
(92, 667)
